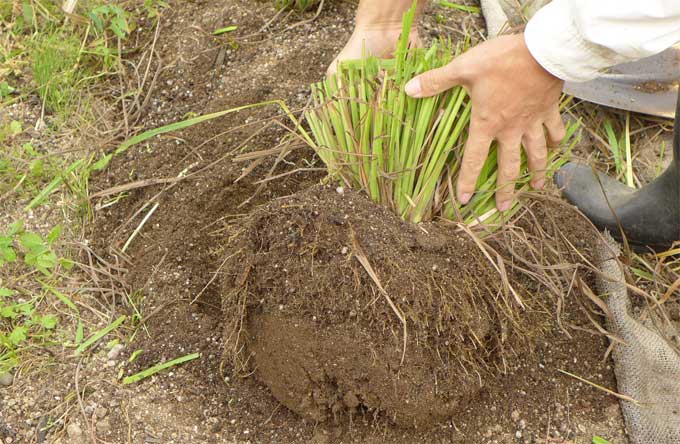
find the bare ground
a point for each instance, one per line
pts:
(172, 269)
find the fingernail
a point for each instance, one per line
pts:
(504, 206)
(465, 198)
(412, 88)
(538, 185)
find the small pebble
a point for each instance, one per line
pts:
(103, 426)
(340, 190)
(115, 352)
(514, 415)
(344, 250)
(6, 379)
(74, 431)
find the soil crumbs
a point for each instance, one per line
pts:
(176, 265)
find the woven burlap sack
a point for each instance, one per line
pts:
(646, 363)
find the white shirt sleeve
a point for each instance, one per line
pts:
(575, 40)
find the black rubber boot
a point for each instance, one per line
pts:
(648, 217)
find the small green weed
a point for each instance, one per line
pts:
(45, 53)
(5, 90)
(111, 17)
(153, 8)
(37, 252)
(63, 61)
(10, 130)
(22, 167)
(20, 321)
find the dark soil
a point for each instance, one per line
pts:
(323, 337)
(325, 343)
(304, 315)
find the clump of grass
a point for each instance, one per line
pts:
(406, 153)
(52, 61)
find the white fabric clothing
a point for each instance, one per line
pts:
(576, 40)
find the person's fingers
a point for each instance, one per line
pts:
(509, 162)
(537, 155)
(435, 81)
(474, 156)
(555, 127)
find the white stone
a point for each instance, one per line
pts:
(6, 379)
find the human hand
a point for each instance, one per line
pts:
(371, 39)
(377, 30)
(513, 99)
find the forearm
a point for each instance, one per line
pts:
(577, 39)
(376, 13)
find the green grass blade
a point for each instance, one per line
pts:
(100, 334)
(176, 126)
(159, 367)
(53, 185)
(614, 146)
(61, 296)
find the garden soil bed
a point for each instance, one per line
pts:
(179, 266)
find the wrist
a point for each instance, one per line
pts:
(556, 42)
(537, 65)
(373, 15)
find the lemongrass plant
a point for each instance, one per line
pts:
(406, 153)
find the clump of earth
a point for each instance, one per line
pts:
(341, 308)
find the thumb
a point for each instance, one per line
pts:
(435, 81)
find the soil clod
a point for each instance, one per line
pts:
(323, 329)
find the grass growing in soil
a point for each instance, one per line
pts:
(405, 152)
(52, 60)
(50, 64)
